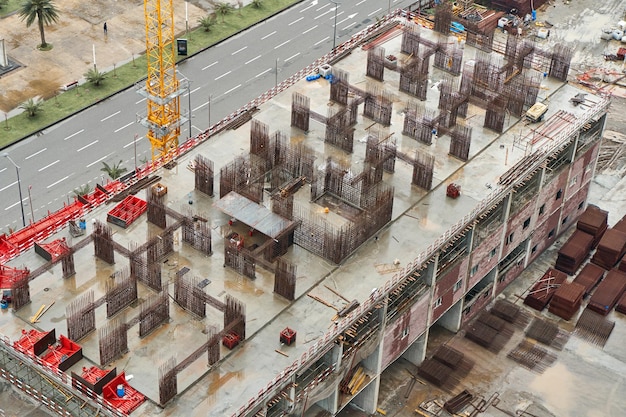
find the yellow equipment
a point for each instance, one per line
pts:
(162, 89)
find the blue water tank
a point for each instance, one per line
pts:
(533, 15)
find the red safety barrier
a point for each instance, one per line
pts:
(127, 211)
(65, 350)
(121, 395)
(9, 275)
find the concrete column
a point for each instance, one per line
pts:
(451, 319)
(417, 351)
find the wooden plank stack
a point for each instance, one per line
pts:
(608, 292)
(541, 293)
(594, 222)
(574, 252)
(611, 248)
(567, 300)
(589, 277)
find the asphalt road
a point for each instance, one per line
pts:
(222, 79)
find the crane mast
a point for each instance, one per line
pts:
(162, 89)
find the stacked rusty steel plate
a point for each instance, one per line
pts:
(567, 300)
(621, 304)
(574, 252)
(608, 292)
(622, 265)
(610, 250)
(594, 222)
(541, 293)
(589, 277)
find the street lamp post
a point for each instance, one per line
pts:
(19, 186)
(336, 3)
(30, 203)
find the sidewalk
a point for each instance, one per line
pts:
(78, 31)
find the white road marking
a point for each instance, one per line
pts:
(55, 183)
(253, 59)
(267, 36)
(209, 66)
(375, 11)
(313, 3)
(262, 73)
(36, 153)
(325, 13)
(74, 134)
(111, 115)
(8, 186)
(143, 99)
(361, 2)
(192, 91)
(13, 205)
(323, 7)
(296, 21)
(284, 43)
(338, 14)
(239, 50)
(232, 89)
(341, 21)
(349, 26)
(197, 128)
(95, 162)
(200, 106)
(88, 145)
(123, 127)
(308, 30)
(223, 75)
(49, 165)
(292, 56)
(323, 40)
(129, 144)
(3, 169)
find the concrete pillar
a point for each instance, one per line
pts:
(417, 351)
(451, 319)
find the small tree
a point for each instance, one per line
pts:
(257, 3)
(207, 22)
(113, 171)
(32, 106)
(3, 3)
(95, 77)
(223, 9)
(43, 10)
(82, 190)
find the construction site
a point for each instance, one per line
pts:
(394, 215)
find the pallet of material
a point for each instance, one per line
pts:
(589, 277)
(594, 222)
(434, 372)
(610, 250)
(608, 292)
(621, 304)
(541, 293)
(567, 300)
(574, 252)
(622, 264)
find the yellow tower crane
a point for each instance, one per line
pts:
(162, 89)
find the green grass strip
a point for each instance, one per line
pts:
(67, 103)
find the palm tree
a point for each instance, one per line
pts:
(114, 171)
(82, 190)
(44, 10)
(223, 9)
(32, 106)
(3, 3)
(207, 22)
(95, 77)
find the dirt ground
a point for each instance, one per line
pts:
(74, 37)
